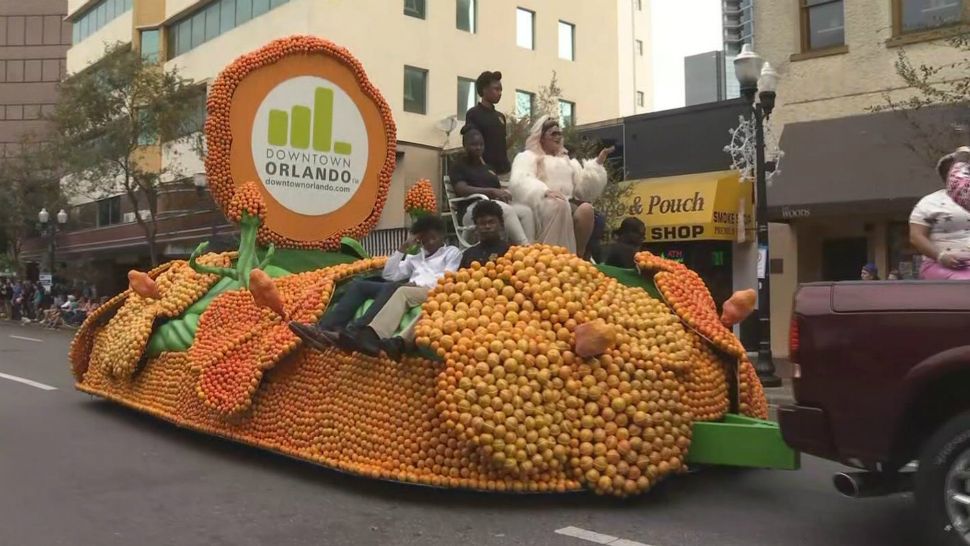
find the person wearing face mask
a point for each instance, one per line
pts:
(939, 226)
(558, 189)
(470, 175)
(420, 272)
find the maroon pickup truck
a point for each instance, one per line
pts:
(882, 380)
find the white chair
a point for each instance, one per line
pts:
(465, 233)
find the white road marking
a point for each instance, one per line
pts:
(598, 538)
(35, 384)
(34, 339)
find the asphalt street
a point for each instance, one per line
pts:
(76, 470)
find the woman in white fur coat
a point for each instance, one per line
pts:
(558, 189)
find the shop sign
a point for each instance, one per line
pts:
(704, 206)
(789, 213)
(47, 281)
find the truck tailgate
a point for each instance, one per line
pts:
(917, 296)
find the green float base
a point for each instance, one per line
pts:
(741, 441)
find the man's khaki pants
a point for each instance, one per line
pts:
(387, 320)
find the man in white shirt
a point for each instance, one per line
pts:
(421, 272)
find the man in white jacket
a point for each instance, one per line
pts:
(419, 271)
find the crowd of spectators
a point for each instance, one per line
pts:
(31, 302)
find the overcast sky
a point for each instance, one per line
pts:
(680, 28)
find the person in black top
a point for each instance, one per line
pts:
(490, 121)
(629, 238)
(6, 296)
(470, 175)
(491, 244)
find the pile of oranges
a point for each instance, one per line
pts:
(420, 200)
(514, 387)
(247, 199)
(219, 134)
(79, 353)
(238, 341)
(509, 405)
(752, 398)
(689, 298)
(122, 342)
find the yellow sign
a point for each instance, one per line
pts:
(705, 206)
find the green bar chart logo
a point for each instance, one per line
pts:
(310, 145)
(303, 127)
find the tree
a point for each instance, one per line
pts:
(29, 181)
(935, 131)
(612, 203)
(109, 121)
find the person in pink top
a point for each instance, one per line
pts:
(939, 226)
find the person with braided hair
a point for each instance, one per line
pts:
(470, 175)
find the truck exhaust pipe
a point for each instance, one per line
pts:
(858, 485)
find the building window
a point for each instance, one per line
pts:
(415, 8)
(567, 41)
(524, 104)
(214, 20)
(97, 16)
(194, 122)
(415, 90)
(567, 113)
(466, 15)
(640, 98)
(466, 96)
(916, 15)
(639, 47)
(109, 211)
(227, 15)
(823, 24)
(147, 134)
(525, 28)
(150, 45)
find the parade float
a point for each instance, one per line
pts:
(536, 372)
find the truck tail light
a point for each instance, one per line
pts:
(793, 342)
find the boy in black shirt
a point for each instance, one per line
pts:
(491, 231)
(629, 239)
(490, 121)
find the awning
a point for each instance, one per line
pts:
(873, 163)
(705, 206)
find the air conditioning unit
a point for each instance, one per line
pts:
(129, 217)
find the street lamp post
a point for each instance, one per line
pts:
(49, 230)
(755, 75)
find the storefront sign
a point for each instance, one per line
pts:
(788, 213)
(47, 281)
(702, 206)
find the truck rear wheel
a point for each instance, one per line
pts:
(943, 483)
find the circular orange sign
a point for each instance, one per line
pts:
(300, 118)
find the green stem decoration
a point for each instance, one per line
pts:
(248, 258)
